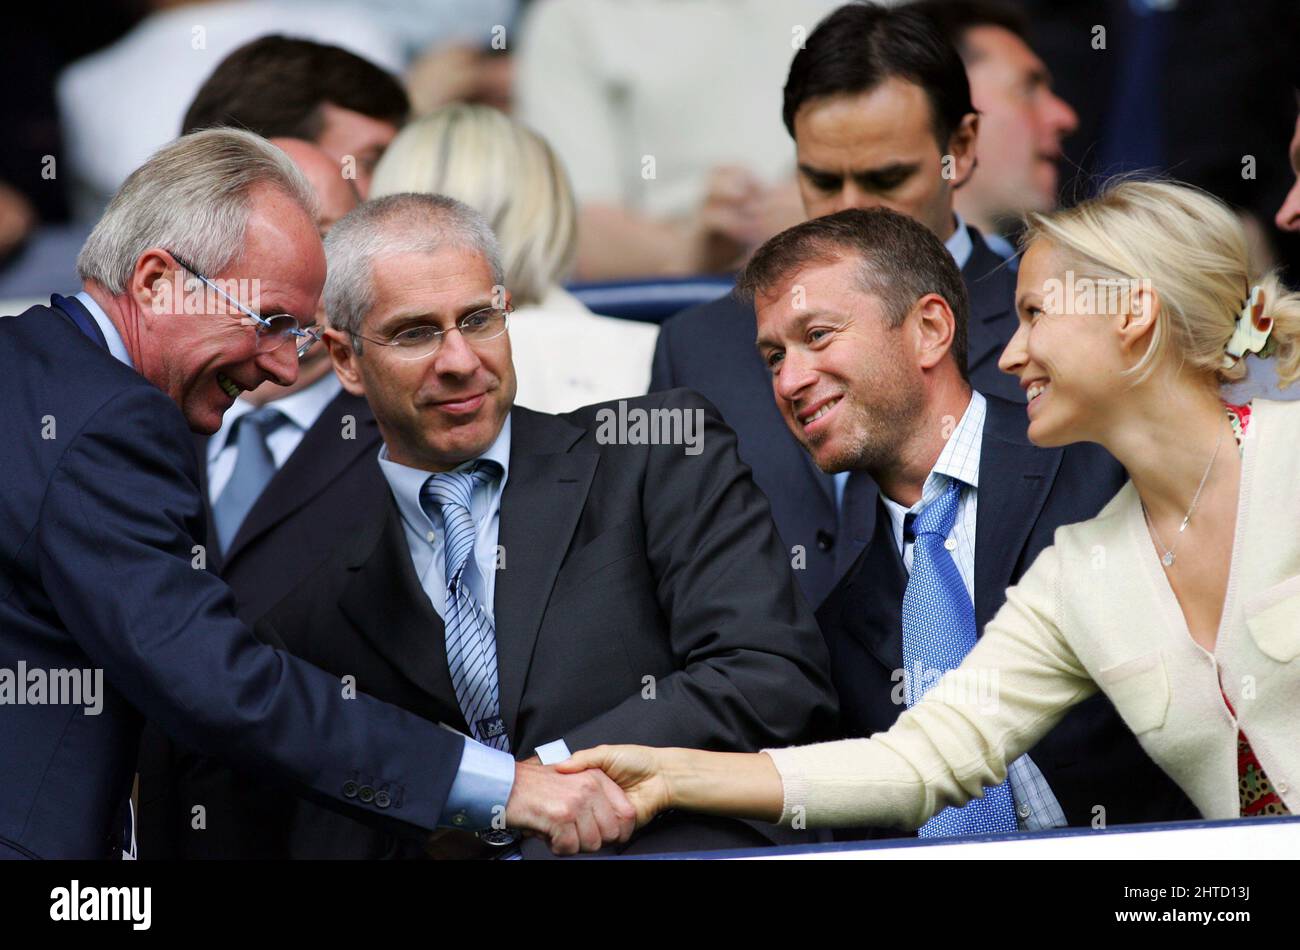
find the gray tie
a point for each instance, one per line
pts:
(254, 467)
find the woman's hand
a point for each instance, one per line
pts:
(639, 770)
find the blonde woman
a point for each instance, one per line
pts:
(1180, 600)
(565, 356)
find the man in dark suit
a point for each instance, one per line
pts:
(868, 370)
(101, 530)
(589, 581)
(879, 107)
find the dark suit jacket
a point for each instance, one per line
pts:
(295, 522)
(1025, 493)
(711, 349)
(99, 515)
(644, 597)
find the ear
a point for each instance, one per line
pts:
(935, 327)
(961, 146)
(344, 358)
(151, 287)
(1136, 325)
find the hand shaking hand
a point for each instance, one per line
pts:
(637, 769)
(575, 809)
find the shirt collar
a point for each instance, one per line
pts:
(959, 461)
(959, 243)
(116, 346)
(302, 409)
(407, 483)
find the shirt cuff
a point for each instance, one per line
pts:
(552, 752)
(480, 790)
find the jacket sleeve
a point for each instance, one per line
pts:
(751, 664)
(1013, 687)
(117, 556)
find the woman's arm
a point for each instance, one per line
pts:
(1012, 688)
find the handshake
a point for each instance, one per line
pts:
(595, 798)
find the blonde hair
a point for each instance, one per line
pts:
(503, 170)
(1193, 250)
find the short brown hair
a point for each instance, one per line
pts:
(901, 261)
(276, 86)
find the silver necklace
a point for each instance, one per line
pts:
(1167, 559)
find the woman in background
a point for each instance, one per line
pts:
(565, 356)
(1180, 600)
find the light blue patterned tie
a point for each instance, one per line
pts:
(254, 467)
(938, 632)
(470, 633)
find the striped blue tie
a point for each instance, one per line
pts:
(938, 632)
(470, 633)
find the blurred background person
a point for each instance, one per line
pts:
(1022, 122)
(659, 110)
(1288, 215)
(119, 104)
(565, 356)
(279, 86)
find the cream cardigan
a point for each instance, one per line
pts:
(1096, 611)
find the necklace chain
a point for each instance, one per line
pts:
(1167, 559)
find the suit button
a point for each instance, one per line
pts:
(825, 540)
(366, 794)
(349, 789)
(382, 799)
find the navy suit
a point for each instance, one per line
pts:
(1025, 493)
(711, 349)
(99, 515)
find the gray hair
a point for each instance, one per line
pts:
(395, 224)
(191, 198)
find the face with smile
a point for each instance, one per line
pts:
(203, 361)
(1069, 362)
(448, 407)
(877, 149)
(847, 384)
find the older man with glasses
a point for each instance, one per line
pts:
(101, 531)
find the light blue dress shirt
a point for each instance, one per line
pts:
(116, 345)
(486, 775)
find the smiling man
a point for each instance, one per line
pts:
(102, 535)
(862, 325)
(520, 576)
(879, 106)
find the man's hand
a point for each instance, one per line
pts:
(582, 810)
(638, 770)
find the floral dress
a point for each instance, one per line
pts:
(1256, 791)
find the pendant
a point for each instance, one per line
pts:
(1168, 559)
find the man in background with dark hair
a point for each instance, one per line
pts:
(1022, 122)
(280, 86)
(879, 107)
(862, 323)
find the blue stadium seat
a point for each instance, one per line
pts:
(653, 300)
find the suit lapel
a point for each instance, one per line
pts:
(317, 461)
(1015, 479)
(873, 596)
(383, 599)
(991, 287)
(545, 493)
(216, 558)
